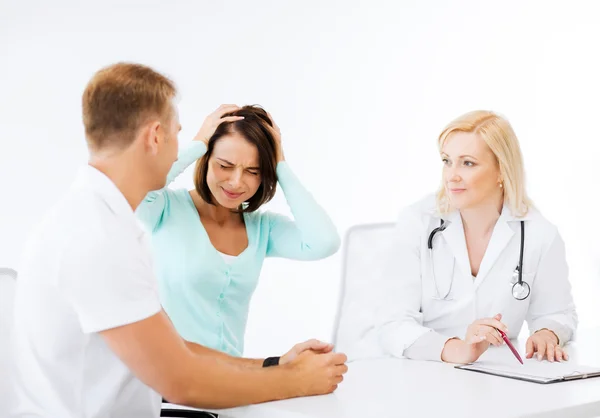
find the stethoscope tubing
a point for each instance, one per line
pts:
(524, 287)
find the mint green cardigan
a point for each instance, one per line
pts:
(206, 298)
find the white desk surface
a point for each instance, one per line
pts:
(399, 388)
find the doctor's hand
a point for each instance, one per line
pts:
(480, 334)
(462, 352)
(314, 345)
(212, 121)
(486, 329)
(545, 343)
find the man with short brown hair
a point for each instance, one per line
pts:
(91, 339)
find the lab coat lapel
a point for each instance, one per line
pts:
(501, 236)
(454, 236)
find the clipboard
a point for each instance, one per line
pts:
(535, 371)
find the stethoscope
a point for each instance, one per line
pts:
(520, 288)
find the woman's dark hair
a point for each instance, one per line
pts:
(255, 129)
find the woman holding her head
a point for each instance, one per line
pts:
(477, 258)
(210, 242)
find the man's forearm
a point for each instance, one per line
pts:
(205, 351)
(214, 382)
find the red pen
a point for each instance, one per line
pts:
(512, 347)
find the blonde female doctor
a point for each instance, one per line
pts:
(476, 258)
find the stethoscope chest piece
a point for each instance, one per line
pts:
(521, 291)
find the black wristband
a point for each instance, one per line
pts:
(271, 361)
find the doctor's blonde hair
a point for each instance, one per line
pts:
(499, 136)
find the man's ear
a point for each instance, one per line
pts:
(152, 135)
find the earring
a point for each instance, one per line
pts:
(500, 184)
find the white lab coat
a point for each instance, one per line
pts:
(413, 324)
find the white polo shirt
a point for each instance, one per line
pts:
(87, 268)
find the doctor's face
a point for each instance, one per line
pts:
(471, 173)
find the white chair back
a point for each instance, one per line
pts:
(7, 294)
(365, 250)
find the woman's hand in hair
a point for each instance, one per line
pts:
(212, 121)
(277, 135)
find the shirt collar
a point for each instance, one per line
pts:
(92, 179)
(506, 215)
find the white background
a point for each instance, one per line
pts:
(360, 91)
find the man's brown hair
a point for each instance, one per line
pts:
(119, 99)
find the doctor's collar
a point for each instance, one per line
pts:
(506, 215)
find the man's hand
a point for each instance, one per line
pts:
(314, 345)
(316, 374)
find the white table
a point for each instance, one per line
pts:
(398, 388)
